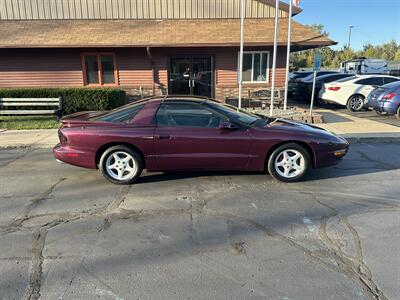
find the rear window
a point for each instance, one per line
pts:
(321, 73)
(123, 114)
(346, 79)
(334, 77)
(378, 81)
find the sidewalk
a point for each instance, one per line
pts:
(352, 128)
(358, 129)
(42, 138)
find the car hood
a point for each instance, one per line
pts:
(289, 126)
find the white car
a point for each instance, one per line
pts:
(353, 91)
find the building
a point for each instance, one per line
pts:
(146, 47)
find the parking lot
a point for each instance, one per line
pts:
(368, 114)
(66, 233)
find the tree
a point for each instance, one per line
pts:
(332, 58)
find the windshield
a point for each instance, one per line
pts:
(237, 114)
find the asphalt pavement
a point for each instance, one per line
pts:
(66, 233)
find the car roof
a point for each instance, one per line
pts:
(167, 98)
(332, 74)
(374, 75)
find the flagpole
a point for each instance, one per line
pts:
(241, 53)
(274, 57)
(288, 55)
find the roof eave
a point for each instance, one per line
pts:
(307, 45)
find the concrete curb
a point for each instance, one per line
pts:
(365, 140)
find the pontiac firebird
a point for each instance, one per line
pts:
(177, 133)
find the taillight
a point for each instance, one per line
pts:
(389, 96)
(62, 137)
(334, 88)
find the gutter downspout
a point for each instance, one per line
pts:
(153, 73)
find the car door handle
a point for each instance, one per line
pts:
(163, 136)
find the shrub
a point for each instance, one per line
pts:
(74, 99)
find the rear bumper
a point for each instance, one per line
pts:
(76, 157)
(385, 106)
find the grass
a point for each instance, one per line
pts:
(28, 122)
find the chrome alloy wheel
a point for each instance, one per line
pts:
(290, 163)
(356, 103)
(121, 166)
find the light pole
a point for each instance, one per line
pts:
(350, 29)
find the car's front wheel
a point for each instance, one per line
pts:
(355, 103)
(289, 162)
(121, 164)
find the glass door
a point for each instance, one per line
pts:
(191, 76)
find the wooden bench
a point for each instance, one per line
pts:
(263, 97)
(31, 106)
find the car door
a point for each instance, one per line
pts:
(366, 86)
(188, 136)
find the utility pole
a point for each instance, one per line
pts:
(288, 55)
(242, 16)
(274, 57)
(350, 29)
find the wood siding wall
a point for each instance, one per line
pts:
(132, 9)
(62, 68)
(40, 68)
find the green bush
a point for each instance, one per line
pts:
(74, 99)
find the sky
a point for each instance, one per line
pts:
(374, 21)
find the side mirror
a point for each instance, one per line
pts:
(228, 125)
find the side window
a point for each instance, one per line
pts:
(187, 115)
(390, 80)
(371, 81)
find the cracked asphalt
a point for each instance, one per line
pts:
(66, 233)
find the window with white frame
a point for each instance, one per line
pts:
(255, 66)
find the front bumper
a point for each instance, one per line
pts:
(331, 154)
(76, 157)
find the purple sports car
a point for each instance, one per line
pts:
(176, 133)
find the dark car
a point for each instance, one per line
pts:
(386, 99)
(188, 133)
(294, 89)
(299, 74)
(305, 86)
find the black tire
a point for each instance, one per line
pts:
(381, 113)
(398, 113)
(136, 159)
(272, 168)
(354, 103)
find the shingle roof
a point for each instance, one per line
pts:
(152, 33)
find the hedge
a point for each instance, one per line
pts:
(74, 99)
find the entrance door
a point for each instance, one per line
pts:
(191, 76)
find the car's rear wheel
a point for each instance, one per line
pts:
(398, 113)
(121, 164)
(355, 103)
(381, 113)
(289, 162)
